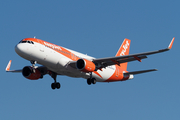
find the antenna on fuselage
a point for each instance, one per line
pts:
(34, 36)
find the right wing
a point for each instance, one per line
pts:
(104, 62)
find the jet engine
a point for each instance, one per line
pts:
(31, 74)
(85, 65)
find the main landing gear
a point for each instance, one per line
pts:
(55, 84)
(91, 80)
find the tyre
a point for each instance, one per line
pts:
(58, 85)
(53, 86)
(93, 81)
(89, 81)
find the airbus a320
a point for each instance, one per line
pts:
(56, 60)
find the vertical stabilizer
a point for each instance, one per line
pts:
(124, 50)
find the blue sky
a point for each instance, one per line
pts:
(96, 28)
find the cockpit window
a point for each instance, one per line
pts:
(30, 42)
(23, 41)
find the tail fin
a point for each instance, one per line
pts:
(124, 50)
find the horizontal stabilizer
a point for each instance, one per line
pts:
(139, 72)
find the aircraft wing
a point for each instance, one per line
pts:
(8, 68)
(104, 62)
(43, 69)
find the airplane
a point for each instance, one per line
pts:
(57, 60)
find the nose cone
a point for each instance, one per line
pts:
(21, 49)
(18, 49)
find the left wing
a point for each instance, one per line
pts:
(43, 69)
(104, 62)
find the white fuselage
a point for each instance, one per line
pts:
(57, 62)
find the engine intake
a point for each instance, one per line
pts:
(85, 65)
(28, 73)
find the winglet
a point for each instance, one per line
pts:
(170, 45)
(8, 66)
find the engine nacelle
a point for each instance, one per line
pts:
(29, 74)
(85, 65)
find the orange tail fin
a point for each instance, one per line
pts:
(124, 50)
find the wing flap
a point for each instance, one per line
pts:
(121, 59)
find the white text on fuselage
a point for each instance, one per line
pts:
(52, 46)
(125, 47)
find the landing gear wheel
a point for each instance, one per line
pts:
(89, 81)
(53, 86)
(58, 85)
(93, 80)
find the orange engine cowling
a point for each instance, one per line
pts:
(29, 74)
(85, 65)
